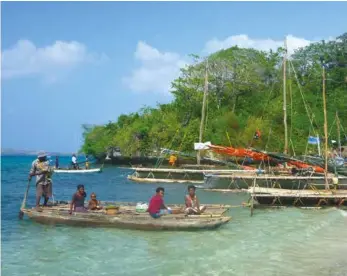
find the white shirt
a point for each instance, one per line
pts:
(74, 159)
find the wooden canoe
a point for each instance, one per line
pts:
(78, 171)
(128, 220)
(176, 209)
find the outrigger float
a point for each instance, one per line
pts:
(126, 217)
(294, 182)
(264, 197)
(168, 175)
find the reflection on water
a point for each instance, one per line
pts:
(272, 242)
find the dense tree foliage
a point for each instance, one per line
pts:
(245, 93)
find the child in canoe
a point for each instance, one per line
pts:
(93, 203)
(156, 207)
(77, 202)
(192, 203)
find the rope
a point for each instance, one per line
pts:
(302, 96)
(185, 134)
(332, 125)
(291, 110)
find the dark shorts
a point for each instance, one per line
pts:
(44, 190)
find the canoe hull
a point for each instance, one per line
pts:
(79, 171)
(139, 222)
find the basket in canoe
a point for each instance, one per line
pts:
(97, 170)
(127, 218)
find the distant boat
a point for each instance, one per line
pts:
(78, 171)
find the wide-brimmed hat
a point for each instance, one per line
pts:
(41, 154)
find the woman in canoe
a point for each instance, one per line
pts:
(77, 202)
(192, 202)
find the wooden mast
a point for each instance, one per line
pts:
(338, 133)
(285, 98)
(198, 157)
(325, 131)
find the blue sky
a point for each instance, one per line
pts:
(69, 63)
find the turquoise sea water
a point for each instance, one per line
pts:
(272, 242)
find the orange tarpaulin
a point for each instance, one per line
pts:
(241, 152)
(259, 156)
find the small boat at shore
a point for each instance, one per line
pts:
(97, 170)
(126, 217)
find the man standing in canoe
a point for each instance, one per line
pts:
(156, 206)
(87, 163)
(40, 167)
(74, 162)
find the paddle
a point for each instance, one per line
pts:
(21, 214)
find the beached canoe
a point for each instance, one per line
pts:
(127, 219)
(78, 171)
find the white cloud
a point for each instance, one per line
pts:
(243, 41)
(157, 69)
(24, 58)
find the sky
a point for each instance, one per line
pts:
(65, 64)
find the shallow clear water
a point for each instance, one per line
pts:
(272, 242)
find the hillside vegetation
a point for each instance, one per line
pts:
(245, 94)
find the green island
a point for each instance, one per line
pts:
(245, 94)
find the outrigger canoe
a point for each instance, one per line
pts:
(128, 218)
(78, 171)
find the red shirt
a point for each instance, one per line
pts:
(155, 204)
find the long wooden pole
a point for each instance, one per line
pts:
(338, 133)
(325, 131)
(285, 98)
(198, 157)
(21, 214)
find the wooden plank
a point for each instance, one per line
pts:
(276, 177)
(301, 195)
(226, 190)
(155, 180)
(139, 169)
(274, 191)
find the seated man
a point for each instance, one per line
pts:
(93, 203)
(156, 206)
(192, 202)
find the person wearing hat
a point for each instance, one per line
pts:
(40, 167)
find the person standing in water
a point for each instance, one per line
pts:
(40, 167)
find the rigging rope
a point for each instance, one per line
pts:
(303, 98)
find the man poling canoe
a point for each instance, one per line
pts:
(43, 172)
